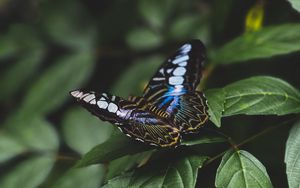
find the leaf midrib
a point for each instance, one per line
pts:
(264, 94)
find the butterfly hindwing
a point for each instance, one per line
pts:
(191, 112)
(147, 127)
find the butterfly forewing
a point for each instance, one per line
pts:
(180, 74)
(130, 116)
(105, 106)
(172, 88)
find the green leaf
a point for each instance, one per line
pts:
(34, 135)
(52, 88)
(190, 26)
(241, 169)
(134, 80)
(15, 76)
(9, 147)
(82, 131)
(113, 148)
(125, 163)
(156, 12)
(215, 102)
(176, 172)
(295, 4)
(90, 177)
(292, 157)
(260, 95)
(265, 43)
(28, 174)
(21, 39)
(69, 23)
(119, 182)
(181, 172)
(143, 39)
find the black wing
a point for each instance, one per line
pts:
(130, 117)
(180, 74)
(172, 88)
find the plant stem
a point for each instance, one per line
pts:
(247, 140)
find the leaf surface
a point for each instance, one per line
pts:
(260, 95)
(267, 42)
(52, 88)
(292, 157)
(241, 169)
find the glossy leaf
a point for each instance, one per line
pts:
(292, 157)
(260, 95)
(52, 88)
(28, 174)
(268, 42)
(215, 102)
(125, 163)
(81, 178)
(241, 169)
(82, 131)
(181, 172)
(113, 148)
(119, 182)
(295, 4)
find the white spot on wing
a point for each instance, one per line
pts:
(102, 104)
(169, 70)
(113, 98)
(102, 99)
(180, 59)
(186, 48)
(179, 71)
(183, 64)
(121, 113)
(82, 96)
(161, 71)
(75, 93)
(112, 107)
(89, 98)
(176, 80)
(158, 78)
(93, 101)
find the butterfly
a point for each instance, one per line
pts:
(169, 107)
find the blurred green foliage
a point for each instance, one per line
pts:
(48, 48)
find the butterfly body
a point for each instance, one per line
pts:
(170, 105)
